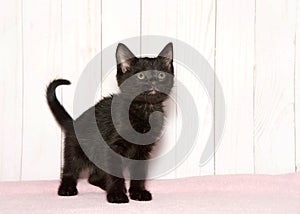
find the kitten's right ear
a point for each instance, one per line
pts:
(124, 57)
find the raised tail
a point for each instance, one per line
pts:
(61, 115)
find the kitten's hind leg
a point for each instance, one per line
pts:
(68, 185)
(97, 178)
(69, 178)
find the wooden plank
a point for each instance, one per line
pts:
(274, 86)
(120, 20)
(10, 90)
(196, 27)
(42, 62)
(81, 40)
(234, 69)
(159, 18)
(297, 90)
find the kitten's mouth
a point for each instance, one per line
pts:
(152, 92)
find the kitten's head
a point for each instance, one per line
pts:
(149, 75)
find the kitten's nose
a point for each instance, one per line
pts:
(153, 88)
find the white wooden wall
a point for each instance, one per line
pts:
(253, 46)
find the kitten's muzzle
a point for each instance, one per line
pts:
(153, 90)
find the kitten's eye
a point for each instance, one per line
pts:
(161, 75)
(141, 76)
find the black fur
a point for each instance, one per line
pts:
(140, 109)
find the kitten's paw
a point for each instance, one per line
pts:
(140, 195)
(65, 190)
(117, 197)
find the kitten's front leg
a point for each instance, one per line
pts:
(137, 190)
(115, 186)
(116, 191)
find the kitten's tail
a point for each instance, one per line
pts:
(60, 114)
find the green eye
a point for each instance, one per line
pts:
(141, 76)
(161, 75)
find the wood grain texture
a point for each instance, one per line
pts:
(81, 41)
(159, 18)
(42, 62)
(196, 27)
(234, 69)
(274, 86)
(257, 62)
(120, 20)
(11, 74)
(297, 88)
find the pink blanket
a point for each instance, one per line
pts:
(207, 194)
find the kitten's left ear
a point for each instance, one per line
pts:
(167, 54)
(124, 57)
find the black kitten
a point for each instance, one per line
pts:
(152, 76)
